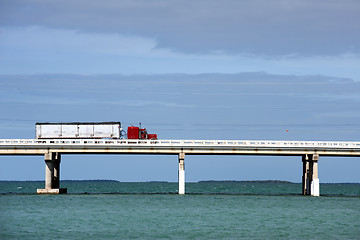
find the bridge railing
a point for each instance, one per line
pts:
(198, 143)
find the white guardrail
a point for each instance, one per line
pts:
(198, 143)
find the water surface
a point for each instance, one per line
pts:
(212, 210)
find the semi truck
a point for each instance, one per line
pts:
(75, 130)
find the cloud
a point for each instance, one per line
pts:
(259, 27)
(67, 41)
(32, 50)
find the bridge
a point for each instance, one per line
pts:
(52, 149)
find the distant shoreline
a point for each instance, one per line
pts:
(245, 181)
(202, 181)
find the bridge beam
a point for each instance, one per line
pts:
(52, 174)
(310, 179)
(181, 173)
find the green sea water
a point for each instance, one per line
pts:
(210, 210)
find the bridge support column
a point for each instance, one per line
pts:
(181, 174)
(52, 175)
(305, 178)
(310, 180)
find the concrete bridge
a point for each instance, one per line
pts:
(52, 149)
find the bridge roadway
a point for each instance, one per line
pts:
(52, 149)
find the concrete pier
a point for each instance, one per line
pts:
(305, 161)
(181, 176)
(310, 179)
(52, 174)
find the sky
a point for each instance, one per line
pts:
(234, 69)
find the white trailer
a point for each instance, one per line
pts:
(79, 130)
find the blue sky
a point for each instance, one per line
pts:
(194, 70)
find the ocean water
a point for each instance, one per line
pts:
(153, 210)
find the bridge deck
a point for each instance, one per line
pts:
(129, 146)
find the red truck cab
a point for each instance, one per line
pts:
(139, 133)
